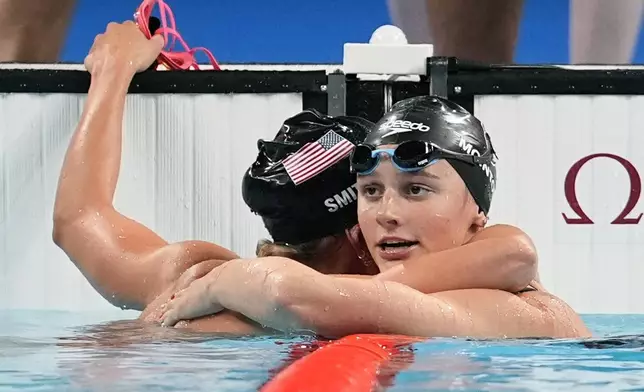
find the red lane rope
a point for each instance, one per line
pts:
(350, 364)
(169, 57)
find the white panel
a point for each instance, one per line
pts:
(597, 268)
(183, 160)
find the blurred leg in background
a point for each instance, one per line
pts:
(604, 31)
(479, 30)
(601, 31)
(411, 17)
(33, 31)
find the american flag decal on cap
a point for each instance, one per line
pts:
(315, 157)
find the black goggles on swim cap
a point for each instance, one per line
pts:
(412, 155)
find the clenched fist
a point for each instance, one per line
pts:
(123, 45)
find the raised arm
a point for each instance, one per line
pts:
(125, 261)
(501, 257)
(285, 295)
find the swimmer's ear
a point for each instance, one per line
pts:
(480, 220)
(355, 234)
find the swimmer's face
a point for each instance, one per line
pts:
(406, 214)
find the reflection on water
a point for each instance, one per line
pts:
(128, 355)
(526, 365)
(120, 355)
(47, 351)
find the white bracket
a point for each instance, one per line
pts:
(387, 53)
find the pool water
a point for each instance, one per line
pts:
(59, 351)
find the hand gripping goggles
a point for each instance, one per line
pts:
(169, 58)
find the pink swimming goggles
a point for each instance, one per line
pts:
(170, 58)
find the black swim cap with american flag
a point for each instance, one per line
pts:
(300, 183)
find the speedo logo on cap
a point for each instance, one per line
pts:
(401, 126)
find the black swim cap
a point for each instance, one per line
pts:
(449, 126)
(316, 196)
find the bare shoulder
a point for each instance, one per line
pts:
(177, 258)
(568, 323)
(499, 313)
(203, 250)
(500, 230)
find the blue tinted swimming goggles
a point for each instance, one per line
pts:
(409, 156)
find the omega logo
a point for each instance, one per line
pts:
(570, 190)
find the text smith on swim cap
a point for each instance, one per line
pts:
(342, 199)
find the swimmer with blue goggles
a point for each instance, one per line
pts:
(411, 156)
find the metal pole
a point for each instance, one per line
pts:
(336, 94)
